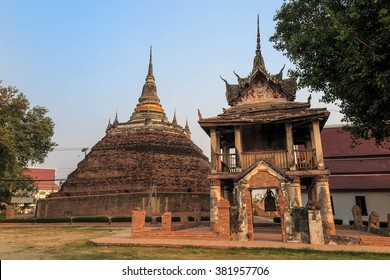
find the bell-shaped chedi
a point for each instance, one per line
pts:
(146, 162)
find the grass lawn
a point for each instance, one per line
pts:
(61, 242)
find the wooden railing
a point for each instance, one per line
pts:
(303, 159)
(278, 158)
(226, 162)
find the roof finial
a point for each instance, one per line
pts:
(258, 35)
(150, 71)
(109, 125)
(187, 128)
(174, 121)
(258, 61)
(116, 122)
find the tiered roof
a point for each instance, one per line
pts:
(263, 98)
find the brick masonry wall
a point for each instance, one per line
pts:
(131, 161)
(263, 180)
(118, 204)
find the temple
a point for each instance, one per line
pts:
(144, 163)
(267, 141)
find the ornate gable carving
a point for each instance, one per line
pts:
(259, 91)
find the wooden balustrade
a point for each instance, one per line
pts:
(278, 158)
(304, 159)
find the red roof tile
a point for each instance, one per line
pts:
(47, 175)
(376, 165)
(336, 143)
(356, 183)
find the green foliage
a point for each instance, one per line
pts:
(338, 221)
(53, 220)
(121, 219)
(92, 219)
(342, 49)
(18, 220)
(25, 138)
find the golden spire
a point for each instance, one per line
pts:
(149, 103)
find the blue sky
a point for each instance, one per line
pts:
(85, 59)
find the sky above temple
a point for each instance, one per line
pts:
(86, 59)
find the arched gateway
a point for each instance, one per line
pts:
(267, 140)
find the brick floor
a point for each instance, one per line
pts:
(269, 238)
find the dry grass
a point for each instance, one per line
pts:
(64, 242)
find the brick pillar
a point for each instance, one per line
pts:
(323, 194)
(294, 193)
(242, 214)
(215, 196)
(138, 223)
(9, 213)
(224, 218)
(249, 213)
(282, 208)
(166, 221)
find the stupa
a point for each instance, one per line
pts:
(147, 163)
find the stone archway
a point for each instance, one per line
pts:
(261, 175)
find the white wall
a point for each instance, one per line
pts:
(343, 202)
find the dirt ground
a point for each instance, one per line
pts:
(19, 243)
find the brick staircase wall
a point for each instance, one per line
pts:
(374, 240)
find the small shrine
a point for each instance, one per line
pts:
(267, 141)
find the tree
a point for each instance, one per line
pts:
(25, 138)
(342, 49)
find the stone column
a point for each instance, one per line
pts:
(215, 196)
(294, 193)
(238, 147)
(316, 232)
(357, 216)
(323, 195)
(290, 146)
(316, 139)
(242, 216)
